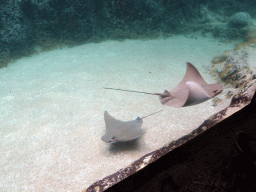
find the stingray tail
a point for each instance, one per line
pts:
(132, 91)
(151, 114)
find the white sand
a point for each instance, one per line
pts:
(52, 105)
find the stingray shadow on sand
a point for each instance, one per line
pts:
(117, 147)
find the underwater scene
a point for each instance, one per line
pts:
(88, 88)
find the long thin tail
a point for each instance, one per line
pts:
(151, 114)
(132, 91)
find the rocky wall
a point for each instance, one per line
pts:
(49, 24)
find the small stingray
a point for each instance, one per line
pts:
(191, 90)
(118, 131)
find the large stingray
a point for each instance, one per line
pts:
(191, 90)
(118, 131)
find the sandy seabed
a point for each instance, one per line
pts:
(52, 106)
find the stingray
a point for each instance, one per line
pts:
(119, 131)
(191, 90)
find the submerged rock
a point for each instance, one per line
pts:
(229, 94)
(240, 20)
(233, 68)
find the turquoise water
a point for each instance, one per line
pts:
(57, 57)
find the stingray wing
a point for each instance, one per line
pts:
(213, 89)
(191, 90)
(175, 98)
(111, 122)
(111, 125)
(192, 74)
(180, 94)
(197, 94)
(129, 130)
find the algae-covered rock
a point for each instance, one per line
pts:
(240, 20)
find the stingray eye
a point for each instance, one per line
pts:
(113, 138)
